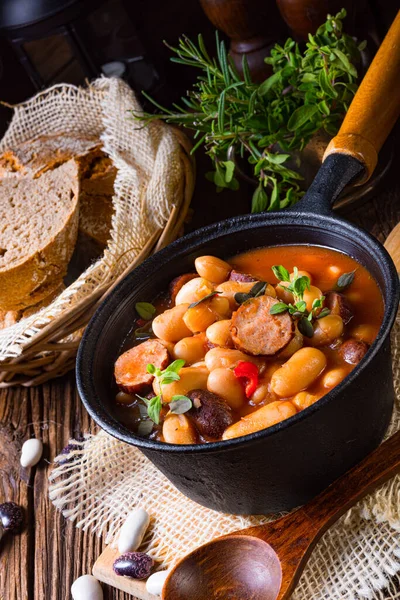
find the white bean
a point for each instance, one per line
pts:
(133, 530)
(155, 582)
(31, 452)
(86, 588)
(193, 291)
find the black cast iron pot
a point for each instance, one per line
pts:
(283, 466)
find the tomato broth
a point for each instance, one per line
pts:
(248, 357)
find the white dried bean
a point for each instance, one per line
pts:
(133, 530)
(155, 582)
(31, 452)
(86, 588)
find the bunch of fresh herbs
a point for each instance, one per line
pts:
(309, 90)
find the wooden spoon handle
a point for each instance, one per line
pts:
(377, 468)
(392, 245)
(375, 107)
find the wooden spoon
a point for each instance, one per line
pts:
(265, 562)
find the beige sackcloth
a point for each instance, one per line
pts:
(147, 186)
(104, 479)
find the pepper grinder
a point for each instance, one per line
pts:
(253, 26)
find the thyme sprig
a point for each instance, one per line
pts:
(310, 89)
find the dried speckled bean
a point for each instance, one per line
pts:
(136, 565)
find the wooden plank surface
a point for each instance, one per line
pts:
(42, 562)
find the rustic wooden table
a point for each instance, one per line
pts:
(42, 562)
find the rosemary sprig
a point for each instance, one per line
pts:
(308, 90)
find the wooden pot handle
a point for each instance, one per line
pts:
(375, 107)
(392, 245)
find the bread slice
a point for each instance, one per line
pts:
(10, 317)
(38, 230)
(35, 157)
(97, 175)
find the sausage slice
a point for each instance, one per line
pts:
(237, 276)
(255, 331)
(339, 305)
(353, 351)
(131, 367)
(211, 414)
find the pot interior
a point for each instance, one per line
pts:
(109, 329)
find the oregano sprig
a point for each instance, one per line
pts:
(297, 285)
(179, 404)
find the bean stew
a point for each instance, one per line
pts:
(235, 347)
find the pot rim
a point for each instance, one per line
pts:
(85, 380)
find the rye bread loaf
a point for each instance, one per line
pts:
(97, 175)
(38, 230)
(47, 152)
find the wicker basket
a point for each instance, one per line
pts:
(44, 346)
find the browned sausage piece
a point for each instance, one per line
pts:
(131, 367)
(255, 331)
(339, 305)
(237, 276)
(210, 413)
(352, 351)
(178, 283)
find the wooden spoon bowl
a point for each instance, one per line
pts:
(238, 566)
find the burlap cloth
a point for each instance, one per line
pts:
(104, 479)
(147, 187)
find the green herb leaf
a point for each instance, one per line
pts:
(345, 280)
(241, 297)
(230, 169)
(211, 295)
(301, 115)
(260, 199)
(317, 303)
(305, 327)
(281, 273)
(277, 159)
(151, 369)
(145, 310)
(269, 83)
(278, 308)
(300, 285)
(154, 408)
(326, 85)
(145, 427)
(246, 70)
(324, 313)
(175, 366)
(301, 306)
(258, 289)
(169, 377)
(346, 63)
(144, 333)
(180, 404)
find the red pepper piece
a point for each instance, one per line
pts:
(141, 322)
(249, 372)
